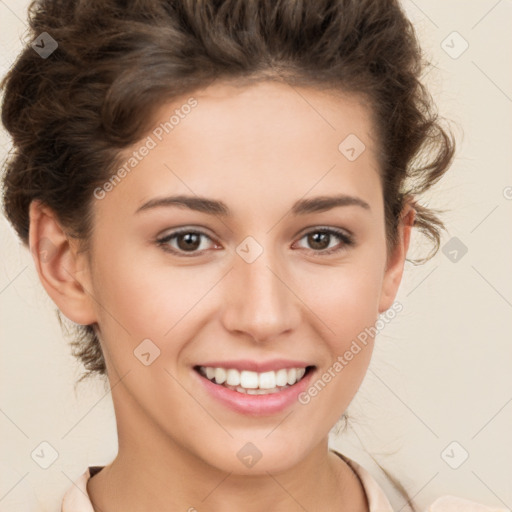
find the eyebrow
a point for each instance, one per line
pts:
(215, 207)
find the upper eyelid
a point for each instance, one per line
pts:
(301, 233)
(320, 227)
(186, 229)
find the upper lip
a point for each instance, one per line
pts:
(256, 366)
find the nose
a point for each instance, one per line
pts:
(259, 299)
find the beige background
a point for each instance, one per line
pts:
(441, 372)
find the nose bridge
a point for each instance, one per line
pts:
(259, 302)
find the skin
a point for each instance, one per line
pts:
(292, 302)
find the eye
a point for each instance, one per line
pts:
(189, 242)
(320, 240)
(184, 241)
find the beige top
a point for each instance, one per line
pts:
(76, 498)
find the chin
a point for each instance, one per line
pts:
(258, 457)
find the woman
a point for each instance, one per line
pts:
(221, 194)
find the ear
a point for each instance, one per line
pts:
(396, 260)
(63, 271)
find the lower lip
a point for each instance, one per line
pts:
(256, 405)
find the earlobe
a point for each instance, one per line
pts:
(396, 260)
(60, 268)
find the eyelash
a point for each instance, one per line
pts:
(345, 238)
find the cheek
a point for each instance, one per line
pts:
(137, 299)
(347, 304)
(346, 299)
(126, 303)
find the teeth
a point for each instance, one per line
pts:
(292, 376)
(282, 377)
(233, 377)
(267, 380)
(253, 383)
(257, 391)
(248, 380)
(220, 375)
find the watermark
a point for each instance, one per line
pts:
(455, 455)
(46, 250)
(351, 147)
(349, 354)
(249, 249)
(146, 352)
(454, 45)
(44, 45)
(179, 114)
(150, 143)
(44, 454)
(249, 455)
(454, 249)
(507, 193)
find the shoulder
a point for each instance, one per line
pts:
(76, 498)
(378, 501)
(455, 504)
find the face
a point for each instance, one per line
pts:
(248, 277)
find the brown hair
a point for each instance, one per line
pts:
(72, 113)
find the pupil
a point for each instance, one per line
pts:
(192, 241)
(317, 238)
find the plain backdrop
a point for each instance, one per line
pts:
(435, 408)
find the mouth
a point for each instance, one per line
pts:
(249, 382)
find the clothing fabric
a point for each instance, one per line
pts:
(76, 498)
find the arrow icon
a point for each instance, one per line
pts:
(454, 253)
(454, 45)
(44, 45)
(351, 147)
(249, 249)
(454, 455)
(249, 455)
(146, 352)
(44, 455)
(454, 249)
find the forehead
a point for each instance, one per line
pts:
(260, 141)
(255, 114)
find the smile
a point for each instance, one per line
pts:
(251, 382)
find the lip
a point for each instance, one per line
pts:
(253, 366)
(256, 405)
